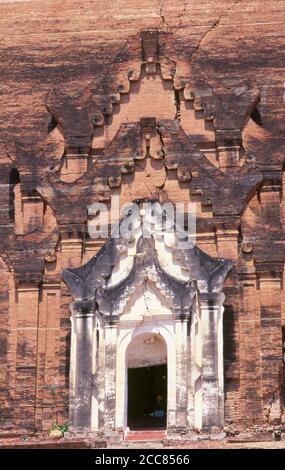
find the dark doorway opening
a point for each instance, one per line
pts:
(147, 397)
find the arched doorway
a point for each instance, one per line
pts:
(146, 360)
(136, 318)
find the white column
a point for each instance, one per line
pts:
(212, 360)
(110, 376)
(81, 371)
(181, 373)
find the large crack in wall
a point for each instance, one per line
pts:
(214, 25)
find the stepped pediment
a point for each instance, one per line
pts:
(126, 264)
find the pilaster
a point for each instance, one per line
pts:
(110, 376)
(181, 373)
(81, 366)
(269, 277)
(212, 360)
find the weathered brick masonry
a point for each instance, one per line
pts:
(178, 101)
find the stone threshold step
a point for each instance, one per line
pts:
(145, 436)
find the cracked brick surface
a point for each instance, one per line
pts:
(175, 100)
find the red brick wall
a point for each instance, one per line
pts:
(73, 46)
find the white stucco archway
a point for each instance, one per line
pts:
(125, 338)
